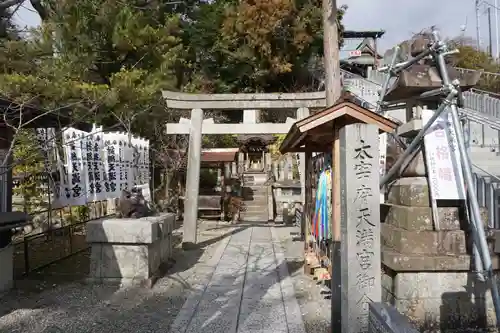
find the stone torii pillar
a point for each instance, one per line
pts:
(190, 226)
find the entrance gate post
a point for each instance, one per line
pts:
(190, 226)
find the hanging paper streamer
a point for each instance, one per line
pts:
(76, 190)
(98, 163)
(322, 213)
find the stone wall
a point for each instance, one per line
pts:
(440, 300)
(427, 272)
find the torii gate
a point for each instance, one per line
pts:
(196, 127)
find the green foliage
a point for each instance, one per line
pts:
(28, 167)
(107, 61)
(256, 46)
(472, 58)
(274, 148)
(83, 213)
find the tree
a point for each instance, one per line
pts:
(256, 45)
(470, 57)
(109, 60)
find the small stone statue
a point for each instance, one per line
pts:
(132, 205)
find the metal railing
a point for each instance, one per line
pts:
(481, 115)
(481, 101)
(39, 249)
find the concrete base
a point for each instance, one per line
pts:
(7, 271)
(439, 301)
(129, 251)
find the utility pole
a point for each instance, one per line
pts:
(333, 92)
(497, 42)
(331, 52)
(478, 28)
(490, 35)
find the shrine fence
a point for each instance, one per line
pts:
(83, 175)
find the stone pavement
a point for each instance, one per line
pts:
(249, 290)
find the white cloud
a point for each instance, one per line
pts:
(401, 18)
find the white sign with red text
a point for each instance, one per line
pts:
(355, 53)
(382, 139)
(442, 158)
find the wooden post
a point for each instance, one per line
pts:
(331, 52)
(301, 114)
(307, 198)
(333, 92)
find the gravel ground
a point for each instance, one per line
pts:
(53, 303)
(312, 297)
(80, 308)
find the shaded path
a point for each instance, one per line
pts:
(248, 289)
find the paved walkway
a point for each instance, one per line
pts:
(248, 289)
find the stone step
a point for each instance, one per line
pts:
(446, 242)
(420, 218)
(254, 218)
(254, 188)
(256, 200)
(484, 158)
(400, 262)
(412, 191)
(250, 193)
(256, 196)
(478, 149)
(254, 209)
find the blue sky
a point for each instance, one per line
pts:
(399, 18)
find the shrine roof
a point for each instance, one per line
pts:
(219, 155)
(263, 138)
(316, 132)
(209, 157)
(36, 117)
(363, 34)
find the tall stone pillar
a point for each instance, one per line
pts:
(268, 161)
(251, 116)
(219, 176)
(227, 170)
(234, 170)
(190, 225)
(241, 163)
(282, 169)
(360, 226)
(275, 170)
(289, 167)
(247, 162)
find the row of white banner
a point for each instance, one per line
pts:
(93, 166)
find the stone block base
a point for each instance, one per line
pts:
(439, 301)
(129, 251)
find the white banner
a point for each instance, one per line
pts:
(382, 139)
(442, 158)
